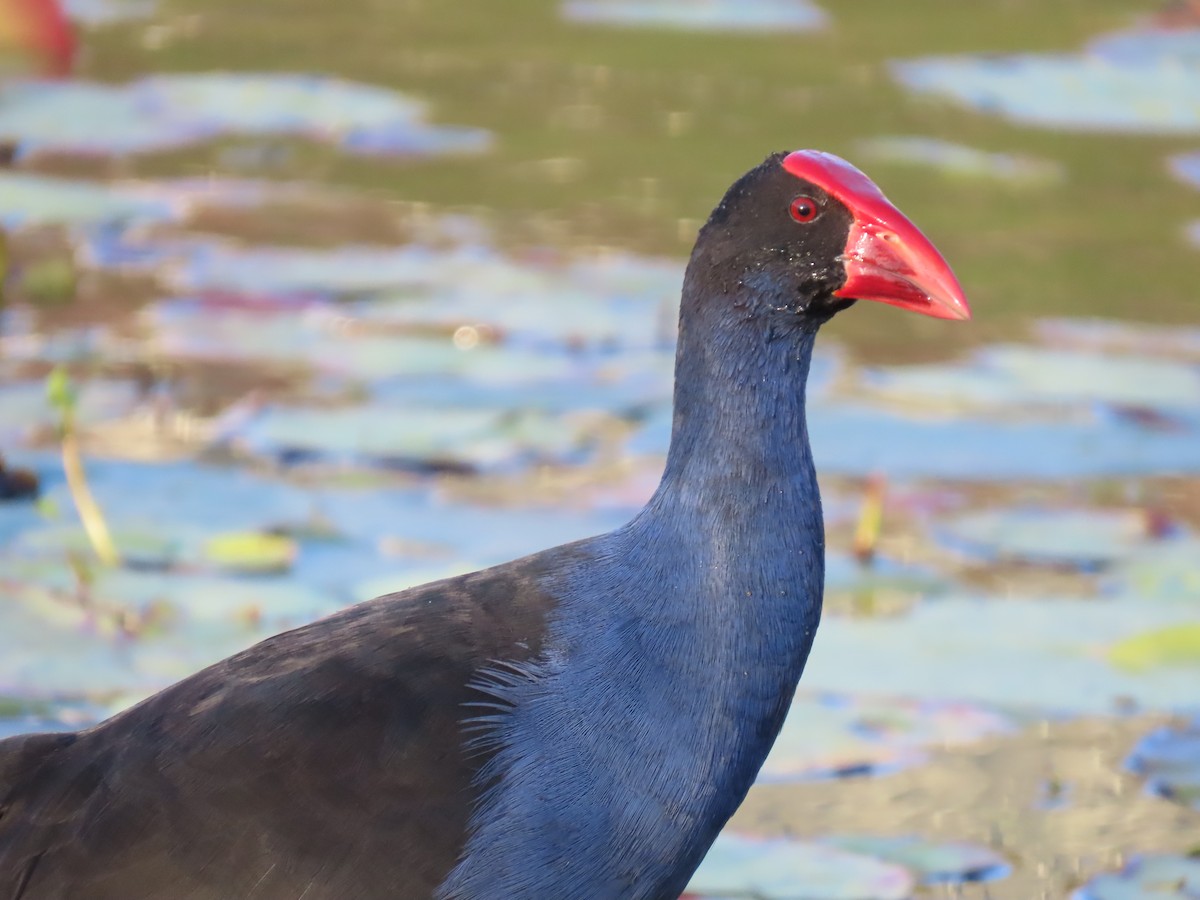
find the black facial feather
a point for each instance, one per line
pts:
(751, 235)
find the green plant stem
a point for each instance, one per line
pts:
(85, 504)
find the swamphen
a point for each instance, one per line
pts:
(41, 30)
(578, 723)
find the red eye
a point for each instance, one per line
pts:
(804, 209)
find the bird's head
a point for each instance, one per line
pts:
(816, 235)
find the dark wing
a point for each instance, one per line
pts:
(325, 762)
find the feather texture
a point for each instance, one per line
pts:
(578, 723)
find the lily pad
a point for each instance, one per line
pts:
(1166, 571)
(167, 111)
(184, 504)
(1160, 877)
(423, 317)
(1037, 656)
(43, 658)
(145, 547)
(53, 645)
(1126, 338)
(845, 574)
(414, 438)
(1007, 376)
(780, 869)
(1175, 645)
(961, 161)
(278, 270)
(768, 16)
(1144, 81)
(251, 552)
(838, 735)
(933, 862)
(183, 500)
(313, 336)
(1169, 759)
(617, 301)
(850, 439)
(1087, 539)
(1147, 45)
(27, 199)
(263, 606)
(881, 587)
(25, 413)
(967, 440)
(187, 597)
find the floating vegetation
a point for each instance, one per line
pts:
(769, 16)
(1004, 377)
(1046, 656)
(961, 161)
(1088, 539)
(850, 867)
(129, 633)
(28, 199)
(933, 862)
(1108, 336)
(416, 439)
(1021, 413)
(251, 552)
(1140, 81)
(850, 438)
(1166, 572)
(841, 736)
(1171, 646)
(781, 869)
(27, 418)
(163, 112)
(882, 586)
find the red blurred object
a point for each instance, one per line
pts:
(41, 28)
(1178, 14)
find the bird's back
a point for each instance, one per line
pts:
(324, 762)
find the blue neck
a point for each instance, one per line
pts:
(739, 452)
(734, 534)
(674, 653)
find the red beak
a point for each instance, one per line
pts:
(887, 259)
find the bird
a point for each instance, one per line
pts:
(580, 722)
(38, 29)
